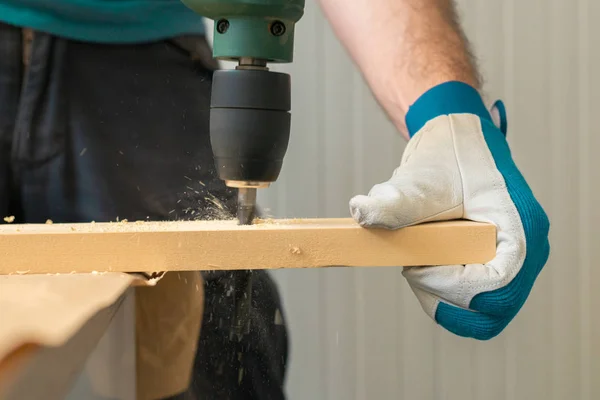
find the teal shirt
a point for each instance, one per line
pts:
(104, 21)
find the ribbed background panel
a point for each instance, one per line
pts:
(360, 333)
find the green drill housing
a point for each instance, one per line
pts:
(259, 29)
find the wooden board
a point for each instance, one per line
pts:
(223, 245)
(49, 326)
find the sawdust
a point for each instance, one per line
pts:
(267, 213)
(275, 221)
(152, 281)
(295, 250)
(49, 222)
(264, 221)
(199, 204)
(215, 201)
(22, 272)
(9, 219)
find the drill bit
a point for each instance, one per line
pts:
(246, 205)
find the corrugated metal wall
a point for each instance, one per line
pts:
(360, 334)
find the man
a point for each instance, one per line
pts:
(110, 120)
(94, 131)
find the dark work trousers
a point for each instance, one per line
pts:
(92, 132)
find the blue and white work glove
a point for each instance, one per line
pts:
(457, 165)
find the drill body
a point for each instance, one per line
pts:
(250, 105)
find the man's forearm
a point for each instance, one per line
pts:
(403, 47)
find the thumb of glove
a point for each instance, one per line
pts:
(426, 187)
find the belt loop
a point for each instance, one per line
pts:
(27, 39)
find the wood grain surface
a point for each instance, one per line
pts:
(224, 245)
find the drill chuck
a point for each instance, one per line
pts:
(250, 125)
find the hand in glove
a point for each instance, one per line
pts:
(457, 165)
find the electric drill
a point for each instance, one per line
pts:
(250, 105)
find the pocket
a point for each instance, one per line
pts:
(198, 50)
(41, 121)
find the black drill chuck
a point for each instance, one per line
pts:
(250, 124)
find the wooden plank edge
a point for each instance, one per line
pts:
(223, 245)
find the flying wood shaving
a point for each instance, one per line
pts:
(215, 201)
(10, 219)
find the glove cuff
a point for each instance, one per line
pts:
(447, 98)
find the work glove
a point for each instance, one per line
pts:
(458, 165)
